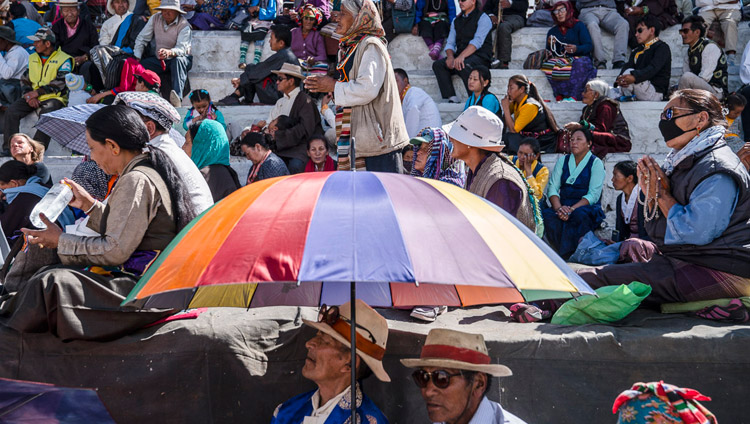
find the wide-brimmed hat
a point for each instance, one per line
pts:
(370, 325)
(456, 350)
(8, 34)
(111, 9)
(43, 34)
(68, 3)
(478, 127)
(151, 106)
(291, 70)
(170, 5)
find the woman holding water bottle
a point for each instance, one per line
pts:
(147, 207)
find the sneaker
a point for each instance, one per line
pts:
(569, 99)
(454, 99)
(618, 65)
(734, 312)
(495, 64)
(230, 100)
(427, 313)
(601, 65)
(175, 99)
(627, 98)
(242, 66)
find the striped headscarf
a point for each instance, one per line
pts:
(310, 11)
(440, 165)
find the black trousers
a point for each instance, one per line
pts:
(18, 110)
(443, 74)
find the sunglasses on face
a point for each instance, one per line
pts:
(640, 30)
(560, 10)
(440, 378)
(668, 114)
(684, 30)
(331, 315)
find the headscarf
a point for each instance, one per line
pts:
(89, 176)
(310, 11)
(151, 106)
(440, 165)
(366, 23)
(570, 19)
(210, 145)
(661, 402)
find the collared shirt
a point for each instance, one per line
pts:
(72, 29)
(283, 106)
(483, 27)
(181, 48)
(320, 413)
(109, 28)
(14, 64)
(595, 183)
(490, 412)
(420, 111)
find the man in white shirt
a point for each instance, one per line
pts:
(13, 64)
(454, 372)
(159, 115)
(328, 365)
(420, 111)
(705, 65)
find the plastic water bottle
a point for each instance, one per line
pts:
(51, 205)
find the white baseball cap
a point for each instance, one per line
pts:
(478, 127)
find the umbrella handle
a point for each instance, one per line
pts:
(352, 161)
(353, 391)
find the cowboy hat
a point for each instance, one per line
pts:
(111, 9)
(372, 334)
(456, 350)
(68, 3)
(170, 5)
(291, 70)
(478, 127)
(8, 34)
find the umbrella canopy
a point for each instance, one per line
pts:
(318, 232)
(25, 401)
(67, 126)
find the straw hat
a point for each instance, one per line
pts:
(111, 9)
(291, 70)
(170, 5)
(456, 350)
(478, 127)
(368, 322)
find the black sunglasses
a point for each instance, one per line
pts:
(684, 30)
(639, 30)
(331, 315)
(668, 114)
(440, 378)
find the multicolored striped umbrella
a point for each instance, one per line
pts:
(302, 239)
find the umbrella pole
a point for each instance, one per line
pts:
(353, 336)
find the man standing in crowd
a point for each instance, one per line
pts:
(44, 88)
(705, 65)
(469, 44)
(258, 78)
(454, 374)
(13, 64)
(509, 16)
(597, 14)
(420, 111)
(328, 365)
(173, 38)
(646, 75)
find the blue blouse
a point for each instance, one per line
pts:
(489, 102)
(578, 35)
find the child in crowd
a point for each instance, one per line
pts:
(530, 164)
(262, 13)
(203, 108)
(77, 90)
(734, 104)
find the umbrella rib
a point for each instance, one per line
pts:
(13, 407)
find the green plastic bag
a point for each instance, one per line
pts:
(613, 304)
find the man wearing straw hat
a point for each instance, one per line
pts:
(454, 373)
(328, 365)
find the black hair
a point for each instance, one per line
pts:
(735, 100)
(195, 125)
(702, 101)
(297, 81)
(628, 168)
(522, 81)
(199, 95)
(282, 33)
(284, 122)
(122, 124)
(586, 133)
(471, 375)
(317, 137)
(16, 170)
(17, 10)
(650, 21)
(400, 72)
(533, 143)
(155, 86)
(252, 138)
(696, 23)
(484, 73)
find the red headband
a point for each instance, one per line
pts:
(454, 353)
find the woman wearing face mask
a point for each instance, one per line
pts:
(697, 206)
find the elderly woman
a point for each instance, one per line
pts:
(477, 138)
(697, 206)
(317, 149)
(307, 43)
(570, 43)
(366, 92)
(526, 115)
(143, 214)
(29, 151)
(207, 145)
(602, 116)
(574, 190)
(257, 148)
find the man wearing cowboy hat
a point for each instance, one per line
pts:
(75, 34)
(291, 143)
(328, 365)
(13, 64)
(173, 37)
(454, 373)
(43, 85)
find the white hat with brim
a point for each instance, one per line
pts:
(111, 9)
(478, 127)
(456, 350)
(367, 318)
(69, 3)
(290, 70)
(170, 5)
